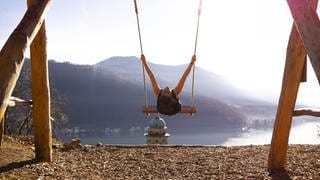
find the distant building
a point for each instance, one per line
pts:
(157, 132)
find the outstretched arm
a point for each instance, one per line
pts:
(155, 85)
(177, 90)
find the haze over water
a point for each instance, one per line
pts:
(305, 133)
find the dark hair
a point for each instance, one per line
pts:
(168, 105)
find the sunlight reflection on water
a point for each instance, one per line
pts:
(306, 133)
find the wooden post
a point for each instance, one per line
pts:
(290, 85)
(303, 35)
(41, 94)
(12, 54)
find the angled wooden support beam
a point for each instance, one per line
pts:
(12, 54)
(307, 22)
(41, 93)
(290, 85)
(293, 74)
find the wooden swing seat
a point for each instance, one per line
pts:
(184, 109)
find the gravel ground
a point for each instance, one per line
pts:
(76, 161)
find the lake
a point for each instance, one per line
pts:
(305, 133)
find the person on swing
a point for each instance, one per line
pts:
(168, 102)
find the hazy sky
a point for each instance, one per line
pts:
(244, 41)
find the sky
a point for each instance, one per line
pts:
(244, 41)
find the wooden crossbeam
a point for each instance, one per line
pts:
(184, 109)
(14, 101)
(306, 112)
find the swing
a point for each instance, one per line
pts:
(184, 109)
(148, 109)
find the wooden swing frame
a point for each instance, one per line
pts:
(304, 40)
(30, 32)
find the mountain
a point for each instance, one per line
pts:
(110, 94)
(130, 68)
(207, 84)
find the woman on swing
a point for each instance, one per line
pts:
(168, 102)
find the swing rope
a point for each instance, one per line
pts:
(197, 31)
(195, 52)
(141, 49)
(138, 23)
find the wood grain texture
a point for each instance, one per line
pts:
(290, 85)
(41, 94)
(12, 55)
